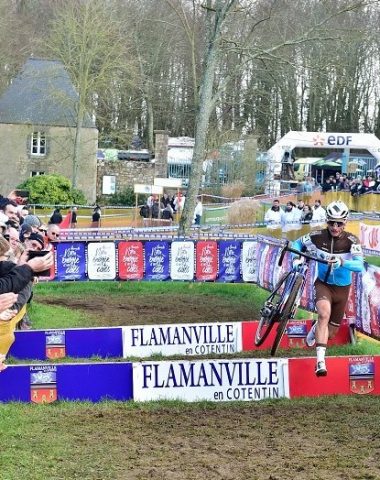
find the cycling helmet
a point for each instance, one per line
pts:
(337, 211)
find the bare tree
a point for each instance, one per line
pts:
(88, 38)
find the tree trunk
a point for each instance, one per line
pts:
(202, 121)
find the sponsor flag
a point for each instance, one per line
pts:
(71, 261)
(101, 261)
(182, 260)
(206, 260)
(249, 261)
(157, 260)
(131, 260)
(229, 261)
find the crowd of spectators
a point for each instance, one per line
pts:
(293, 216)
(356, 186)
(21, 235)
(164, 207)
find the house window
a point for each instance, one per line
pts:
(38, 144)
(35, 173)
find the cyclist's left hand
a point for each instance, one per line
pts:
(335, 262)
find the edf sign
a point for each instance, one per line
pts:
(339, 139)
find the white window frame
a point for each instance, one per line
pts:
(38, 144)
(35, 173)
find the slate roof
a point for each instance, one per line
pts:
(42, 94)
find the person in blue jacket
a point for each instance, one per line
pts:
(344, 253)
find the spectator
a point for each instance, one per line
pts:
(35, 242)
(25, 232)
(298, 210)
(156, 209)
(198, 212)
(96, 214)
(144, 211)
(74, 220)
(274, 216)
(56, 217)
(290, 218)
(165, 200)
(326, 187)
(307, 214)
(9, 209)
(287, 168)
(319, 214)
(52, 235)
(33, 221)
(368, 184)
(167, 213)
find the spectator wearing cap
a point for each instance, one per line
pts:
(25, 232)
(34, 242)
(33, 221)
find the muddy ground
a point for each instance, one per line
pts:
(142, 310)
(334, 438)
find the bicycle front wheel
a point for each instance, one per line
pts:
(263, 329)
(285, 314)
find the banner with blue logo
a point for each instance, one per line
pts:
(71, 261)
(157, 260)
(229, 261)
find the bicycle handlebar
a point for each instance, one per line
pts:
(286, 248)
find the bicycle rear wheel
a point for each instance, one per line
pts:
(287, 310)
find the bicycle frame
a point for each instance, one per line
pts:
(293, 284)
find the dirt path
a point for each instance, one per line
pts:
(137, 310)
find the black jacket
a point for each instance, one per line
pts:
(13, 278)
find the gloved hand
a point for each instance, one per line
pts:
(335, 262)
(297, 262)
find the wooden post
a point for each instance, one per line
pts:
(136, 207)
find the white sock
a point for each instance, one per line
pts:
(321, 352)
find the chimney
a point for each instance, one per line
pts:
(161, 153)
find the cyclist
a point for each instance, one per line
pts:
(344, 253)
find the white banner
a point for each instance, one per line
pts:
(182, 339)
(370, 237)
(213, 380)
(101, 261)
(182, 261)
(249, 261)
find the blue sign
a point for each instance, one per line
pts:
(71, 261)
(157, 260)
(229, 261)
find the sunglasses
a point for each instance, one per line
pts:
(55, 234)
(333, 224)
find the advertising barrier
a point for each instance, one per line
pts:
(250, 260)
(143, 341)
(182, 339)
(217, 380)
(212, 380)
(85, 382)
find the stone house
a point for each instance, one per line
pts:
(37, 129)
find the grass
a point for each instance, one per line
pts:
(373, 260)
(175, 440)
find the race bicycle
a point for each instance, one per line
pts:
(280, 312)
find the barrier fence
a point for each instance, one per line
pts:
(248, 260)
(243, 379)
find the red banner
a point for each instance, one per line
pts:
(359, 375)
(131, 260)
(206, 260)
(294, 336)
